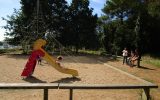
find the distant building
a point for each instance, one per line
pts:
(8, 46)
(5, 45)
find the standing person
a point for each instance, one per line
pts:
(125, 55)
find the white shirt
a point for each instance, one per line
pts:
(125, 53)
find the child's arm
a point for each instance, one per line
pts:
(58, 63)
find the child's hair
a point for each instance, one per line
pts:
(59, 58)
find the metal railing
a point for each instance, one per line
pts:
(45, 86)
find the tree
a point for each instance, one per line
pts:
(119, 9)
(117, 32)
(1, 43)
(153, 7)
(137, 24)
(101, 31)
(14, 26)
(82, 24)
(59, 15)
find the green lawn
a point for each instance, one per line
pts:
(151, 60)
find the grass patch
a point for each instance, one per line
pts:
(95, 52)
(151, 60)
(149, 80)
(92, 52)
(6, 51)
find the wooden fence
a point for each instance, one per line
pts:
(45, 86)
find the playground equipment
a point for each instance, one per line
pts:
(38, 51)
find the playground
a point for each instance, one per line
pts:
(91, 69)
(45, 52)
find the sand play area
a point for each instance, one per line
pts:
(92, 70)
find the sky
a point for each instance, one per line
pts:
(7, 7)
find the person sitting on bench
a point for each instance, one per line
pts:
(135, 57)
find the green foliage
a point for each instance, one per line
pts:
(59, 16)
(7, 51)
(82, 25)
(154, 8)
(132, 24)
(15, 22)
(119, 8)
(152, 60)
(72, 25)
(1, 43)
(91, 52)
(2, 51)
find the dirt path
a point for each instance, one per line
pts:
(90, 72)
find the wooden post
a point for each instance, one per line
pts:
(71, 94)
(45, 93)
(146, 94)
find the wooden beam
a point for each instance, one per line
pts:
(73, 86)
(28, 85)
(104, 86)
(46, 86)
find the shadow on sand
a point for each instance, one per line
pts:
(142, 67)
(67, 80)
(88, 59)
(33, 79)
(18, 56)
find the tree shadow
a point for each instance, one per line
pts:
(67, 80)
(88, 59)
(142, 67)
(1, 54)
(33, 79)
(18, 56)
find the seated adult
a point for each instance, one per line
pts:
(135, 57)
(129, 59)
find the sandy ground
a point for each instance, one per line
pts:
(145, 71)
(91, 71)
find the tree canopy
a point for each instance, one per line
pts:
(125, 23)
(72, 25)
(135, 24)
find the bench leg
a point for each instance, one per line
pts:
(146, 94)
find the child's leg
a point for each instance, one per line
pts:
(40, 61)
(126, 59)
